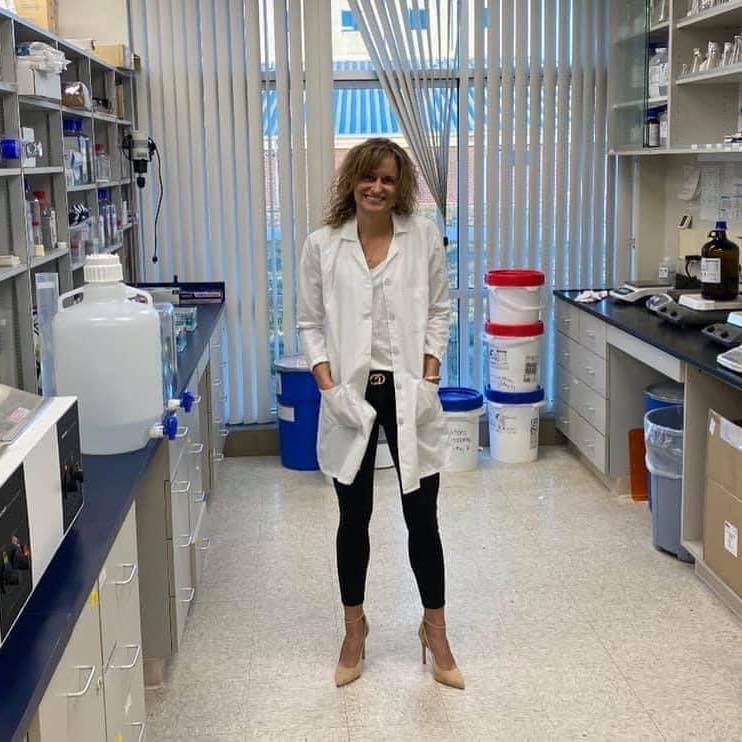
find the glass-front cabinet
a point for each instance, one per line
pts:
(639, 74)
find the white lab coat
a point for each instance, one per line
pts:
(334, 321)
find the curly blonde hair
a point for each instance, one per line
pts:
(360, 161)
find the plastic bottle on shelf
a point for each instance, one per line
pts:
(33, 218)
(653, 131)
(102, 164)
(658, 73)
(697, 61)
(719, 266)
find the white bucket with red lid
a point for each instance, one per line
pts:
(514, 356)
(514, 296)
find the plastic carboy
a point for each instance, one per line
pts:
(108, 354)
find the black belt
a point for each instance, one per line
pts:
(379, 378)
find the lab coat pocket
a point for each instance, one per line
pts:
(347, 409)
(429, 406)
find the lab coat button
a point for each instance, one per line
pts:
(398, 386)
(395, 351)
(387, 282)
(391, 316)
(400, 421)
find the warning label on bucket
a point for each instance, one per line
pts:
(534, 433)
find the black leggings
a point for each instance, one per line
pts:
(420, 512)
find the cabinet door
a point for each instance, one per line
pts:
(72, 709)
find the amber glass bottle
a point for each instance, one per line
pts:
(719, 266)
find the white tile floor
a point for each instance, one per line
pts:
(566, 623)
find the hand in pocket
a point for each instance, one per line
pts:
(347, 408)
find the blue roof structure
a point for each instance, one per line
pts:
(359, 111)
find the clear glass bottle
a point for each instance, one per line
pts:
(102, 165)
(713, 60)
(697, 61)
(666, 271)
(727, 56)
(694, 7)
(737, 50)
(657, 12)
(33, 217)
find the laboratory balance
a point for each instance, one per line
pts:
(727, 334)
(633, 291)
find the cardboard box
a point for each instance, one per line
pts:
(118, 55)
(722, 520)
(35, 82)
(43, 13)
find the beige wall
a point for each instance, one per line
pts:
(106, 21)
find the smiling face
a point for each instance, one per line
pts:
(376, 192)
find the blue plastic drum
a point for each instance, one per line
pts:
(298, 414)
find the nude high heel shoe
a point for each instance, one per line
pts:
(453, 677)
(345, 675)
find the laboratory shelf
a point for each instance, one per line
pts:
(8, 88)
(657, 102)
(80, 113)
(77, 265)
(52, 255)
(9, 172)
(728, 15)
(106, 117)
(728, 75)
(113, 248)
(42, 170)
(7, 273)
(657, 33)
(124, 122)
(43, 104)
(81, 188)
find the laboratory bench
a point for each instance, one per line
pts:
(87, 604)
(606, 355)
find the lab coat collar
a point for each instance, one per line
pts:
(349, 230)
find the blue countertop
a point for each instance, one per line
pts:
(35, 645)
(687, 344)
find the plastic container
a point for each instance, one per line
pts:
(462, 409)
(108, 353)
(663, 434)
(514, 296)
(298, 414)
(169, 357)
(514, 425)
(102, 165)
(664, 394)
(514, 356)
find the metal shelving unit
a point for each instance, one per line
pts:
(45, 116)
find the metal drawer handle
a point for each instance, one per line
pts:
(200, 497)
(589, 445)
(88, 682)
(137, 651)
(182, 432)
(218, 421)
(134, 569)
(590, 335)
(590, 409)
(205, 544)
(216, 344)
(564, 421)
(218, 456)
(187, 541)
(216, 382)
(566, 320)
(590, 370)
(184, 490)
(141, 726)
(564, 387)
(223, 433)
(197, 448)
(192, 595)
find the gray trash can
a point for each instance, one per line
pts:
(663, 435)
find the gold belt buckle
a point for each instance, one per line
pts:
(376, 379)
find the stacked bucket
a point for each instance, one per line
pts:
(513, 339)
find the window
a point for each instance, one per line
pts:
(417, 19)
(347, 22)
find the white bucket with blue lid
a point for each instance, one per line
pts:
(462, 408)
(514, 425)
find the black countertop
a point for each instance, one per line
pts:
(687, 344)
(35, 645)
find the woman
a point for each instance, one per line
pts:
(373, 321)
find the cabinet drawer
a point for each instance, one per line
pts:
(72, 709)
(592, 332)
(565, 350)
(567, 386)
(590, 442)
(590, 406)
(563, 420)
(567, 319)
(119, 589)
(200, 546)
(182, 589)
(589, 368)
